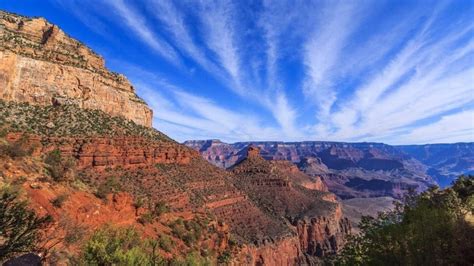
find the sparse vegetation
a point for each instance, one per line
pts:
(138, 203)
(59, 200)
(75, 231)
(19, 226)
(224, 257)
(111, 185)
(16, 149)
(118, 246)
(160, 208)
(146, 218)
(60, 168)
(69, 120)
(191, 259)
(166, 243)
(188, 231)
(155, 211)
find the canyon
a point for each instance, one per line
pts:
(444, 162)
(366, 177)
(78, 142)
(349, 169)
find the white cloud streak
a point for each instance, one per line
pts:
(167, 13)
(323, 50)
(217, 19)
(138, 25)
(408, 71)
(456, 127)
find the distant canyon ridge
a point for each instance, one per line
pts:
(354, 170)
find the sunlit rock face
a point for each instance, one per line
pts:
(41, 65)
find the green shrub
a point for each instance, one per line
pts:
(160, 208)
(111, 185)
(191, 259)
(224, 257)
(74, 234)
(3, 132)
(146, 218)
(20, 180)
(59, 200)
(427, 229)
(138, 203)
(17, 149)
(118, 246)
(188, 231)
(58, 167)
(166, 243)
(19, 226)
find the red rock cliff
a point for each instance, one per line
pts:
(41, 65)
(312, 214)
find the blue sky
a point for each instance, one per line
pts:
(399, 72)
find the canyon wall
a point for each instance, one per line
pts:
(312, 214)
(349, 169)
(41, 65)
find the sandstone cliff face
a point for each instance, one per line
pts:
(320, 236)
(41, 65)
(102, 153)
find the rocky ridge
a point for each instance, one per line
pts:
(312, 213)
(348, 169)
(161, 170)
(60, 100)
(40, 64)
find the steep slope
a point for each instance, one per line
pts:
(349, 169)
(445, 162)
(145, 165)
(312, 214)
(40, 64)
(78, 142)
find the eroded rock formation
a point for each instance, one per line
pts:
(348, 169)
(273, 212)
(311, 213)
(40, 64)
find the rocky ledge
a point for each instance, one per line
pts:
(41, 65)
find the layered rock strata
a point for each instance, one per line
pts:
(41, 65)
(312, 214)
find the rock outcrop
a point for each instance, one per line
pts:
(41, 65)
(56, 94)
(312, 214)
(348, 169)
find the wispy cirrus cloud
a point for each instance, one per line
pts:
(456, 127)
(138, 25)
(218, 21)
(294, 70)
(175, 23)
(417, 84)
(185, 114)
(182, 114)
(323, 51)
